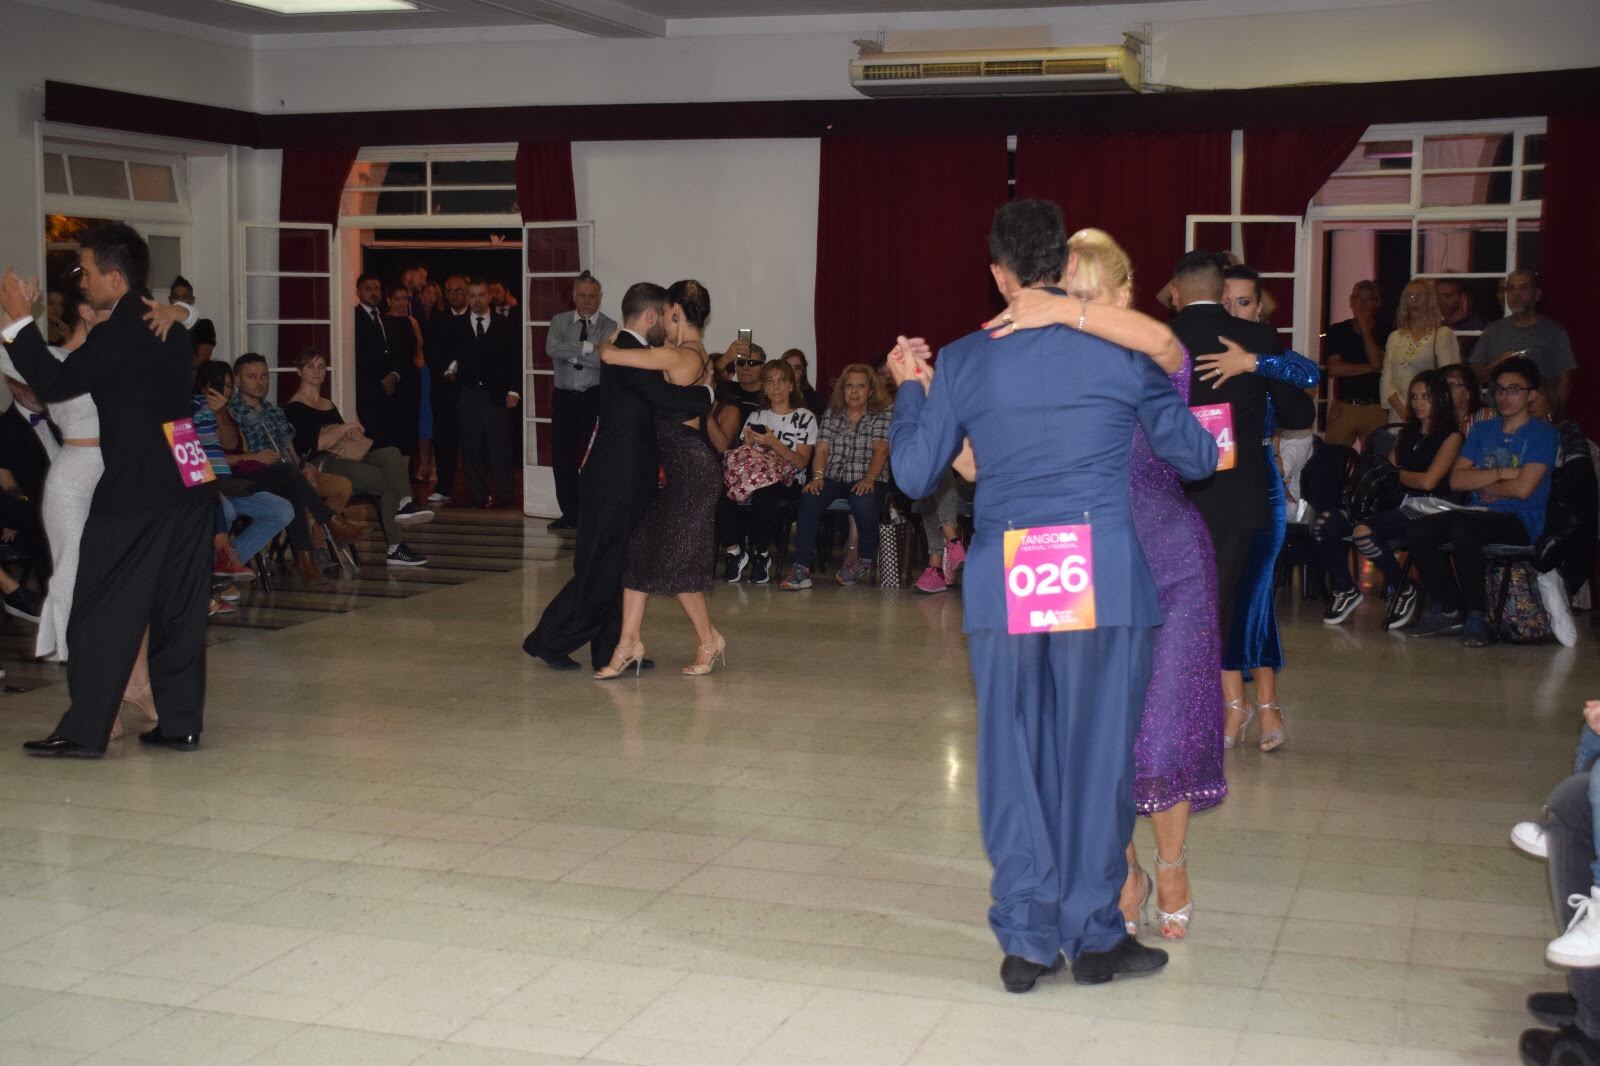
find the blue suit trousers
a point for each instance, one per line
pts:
(1058, 714)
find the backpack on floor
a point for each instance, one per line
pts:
(1524, 619)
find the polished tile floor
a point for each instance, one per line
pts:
(405, 843)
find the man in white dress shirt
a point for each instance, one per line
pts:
(571, 344)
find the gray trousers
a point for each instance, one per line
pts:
(942, 508)
(1572, 854)
(384, 473)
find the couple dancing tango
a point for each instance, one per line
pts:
(637, 538)
(1080, 729)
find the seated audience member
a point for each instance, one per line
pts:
(814, 401)
(269, 515)
(849, 464)
(1467, 396)
(1352, 360)
(939, 514)
(1525, 333)
(335, 446)
(1425, 453)
(21, 528)
(1420, 341)
(1573, 483)
(259, 443)
(1455, 308)
(1505, 464)
(737, 400)
(788, 432)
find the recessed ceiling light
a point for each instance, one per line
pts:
(328, 7)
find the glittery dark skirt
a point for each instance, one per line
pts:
(671, 549)
(1178, 755)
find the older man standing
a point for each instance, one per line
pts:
(571, 344)
(1059, 600)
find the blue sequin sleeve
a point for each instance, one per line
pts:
(1291, 367)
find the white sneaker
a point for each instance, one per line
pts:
(1531, 838)
(1579, 946)
(1553, 591)
(438, 497)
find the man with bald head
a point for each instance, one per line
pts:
(1525, 332)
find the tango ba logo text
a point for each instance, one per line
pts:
(1065, 539)
(1052, 619)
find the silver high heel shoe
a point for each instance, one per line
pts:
(1174, 925)
(1271, 740)
(1143, 912)
(1235, 739)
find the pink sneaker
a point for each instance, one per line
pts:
(931, 581)
(954, 555)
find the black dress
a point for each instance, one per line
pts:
(670, 550)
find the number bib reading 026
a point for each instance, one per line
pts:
(188, 453)
(1049, 574)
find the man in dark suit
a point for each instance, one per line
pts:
(487, 356)
(146, 554)
(443, 335)
(1234, 503)
(616, 485)
(377, 378)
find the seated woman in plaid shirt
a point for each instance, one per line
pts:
(850, 463)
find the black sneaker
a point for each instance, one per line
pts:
(1475, 631)
(1437, 623)
(736, 563)
(25, 604)
(760, 569)
(1343, 606)
(1405, 605)
(1553, 1008)
(412, 515)
(402, 555)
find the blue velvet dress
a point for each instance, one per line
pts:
(1253, 641)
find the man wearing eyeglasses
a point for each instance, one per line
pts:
(1505, 464)
(1525, 332)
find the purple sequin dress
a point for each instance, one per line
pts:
(1178, 755)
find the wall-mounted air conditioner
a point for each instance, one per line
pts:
(1098, 69)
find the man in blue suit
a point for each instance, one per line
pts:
(1050, 414)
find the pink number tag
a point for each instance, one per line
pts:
(188, 453)
(1217, 420)
(1049, 579)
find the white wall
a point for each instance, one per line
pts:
(739, 216)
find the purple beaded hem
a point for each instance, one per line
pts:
(1200, 799)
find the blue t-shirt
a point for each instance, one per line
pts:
(1490, 446)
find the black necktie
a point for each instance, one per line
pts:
(583, 330)
(480, 327)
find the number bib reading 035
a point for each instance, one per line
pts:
(188, 453)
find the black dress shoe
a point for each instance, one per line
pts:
(1553, 1008)
(556, 661)
(181, 742)
(1128, 959)
(56, 746)
(560, 525)
(647, 664)
(1019, 974)
(1567, 1046)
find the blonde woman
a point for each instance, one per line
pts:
(1420, 341)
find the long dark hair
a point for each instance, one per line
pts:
(1442, 419)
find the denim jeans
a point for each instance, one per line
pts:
(1386, 526)
(268, 515)
(1572, 859)
(865, 508)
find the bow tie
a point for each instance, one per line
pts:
(34, 419)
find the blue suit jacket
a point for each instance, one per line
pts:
(1051, 414)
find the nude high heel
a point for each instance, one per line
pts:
(142, 699)
(1174, 925)
(1235, 739)
(625, 656)
(709, 654)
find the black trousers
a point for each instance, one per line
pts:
(283, 479)
(446, 400)
(1467, 532)
(23, 516)
(572, 416)
(762, 515)
(1230, 543)
(138, 570)
(485, 445)
(1571, 827)
(589, 609)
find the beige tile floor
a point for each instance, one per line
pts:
(405, 843)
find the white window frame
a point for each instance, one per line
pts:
(538, 476)
(482, 153)
(342, 394)
(137, 212)
(1299, 333)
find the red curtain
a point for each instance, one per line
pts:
(1136, 186)
(1569, 234)
(313, 183)
(902, 243)
(1283, 169)
(546, 193)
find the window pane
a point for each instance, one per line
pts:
(1533, 184)
(1467, 150)
(1459, 190)
(1367, 189)
(1471, 247)
(1528, 245)
(293, 251)
(267, 298)
(1373, 156)
(166, 257)
(384, 203)
(153, 183)
(1533, 148)
(386, 175)
(55, 174)
(1208, 236)
(557, 250)
(475, 202)
(105, 178)
(479, 172)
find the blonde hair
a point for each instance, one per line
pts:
(1104, 268)
(1432, 317)
(877, 398)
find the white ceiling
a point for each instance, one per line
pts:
(605, 18)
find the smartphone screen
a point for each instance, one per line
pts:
(746, 335)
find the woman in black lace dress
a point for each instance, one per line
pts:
(670, 551)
